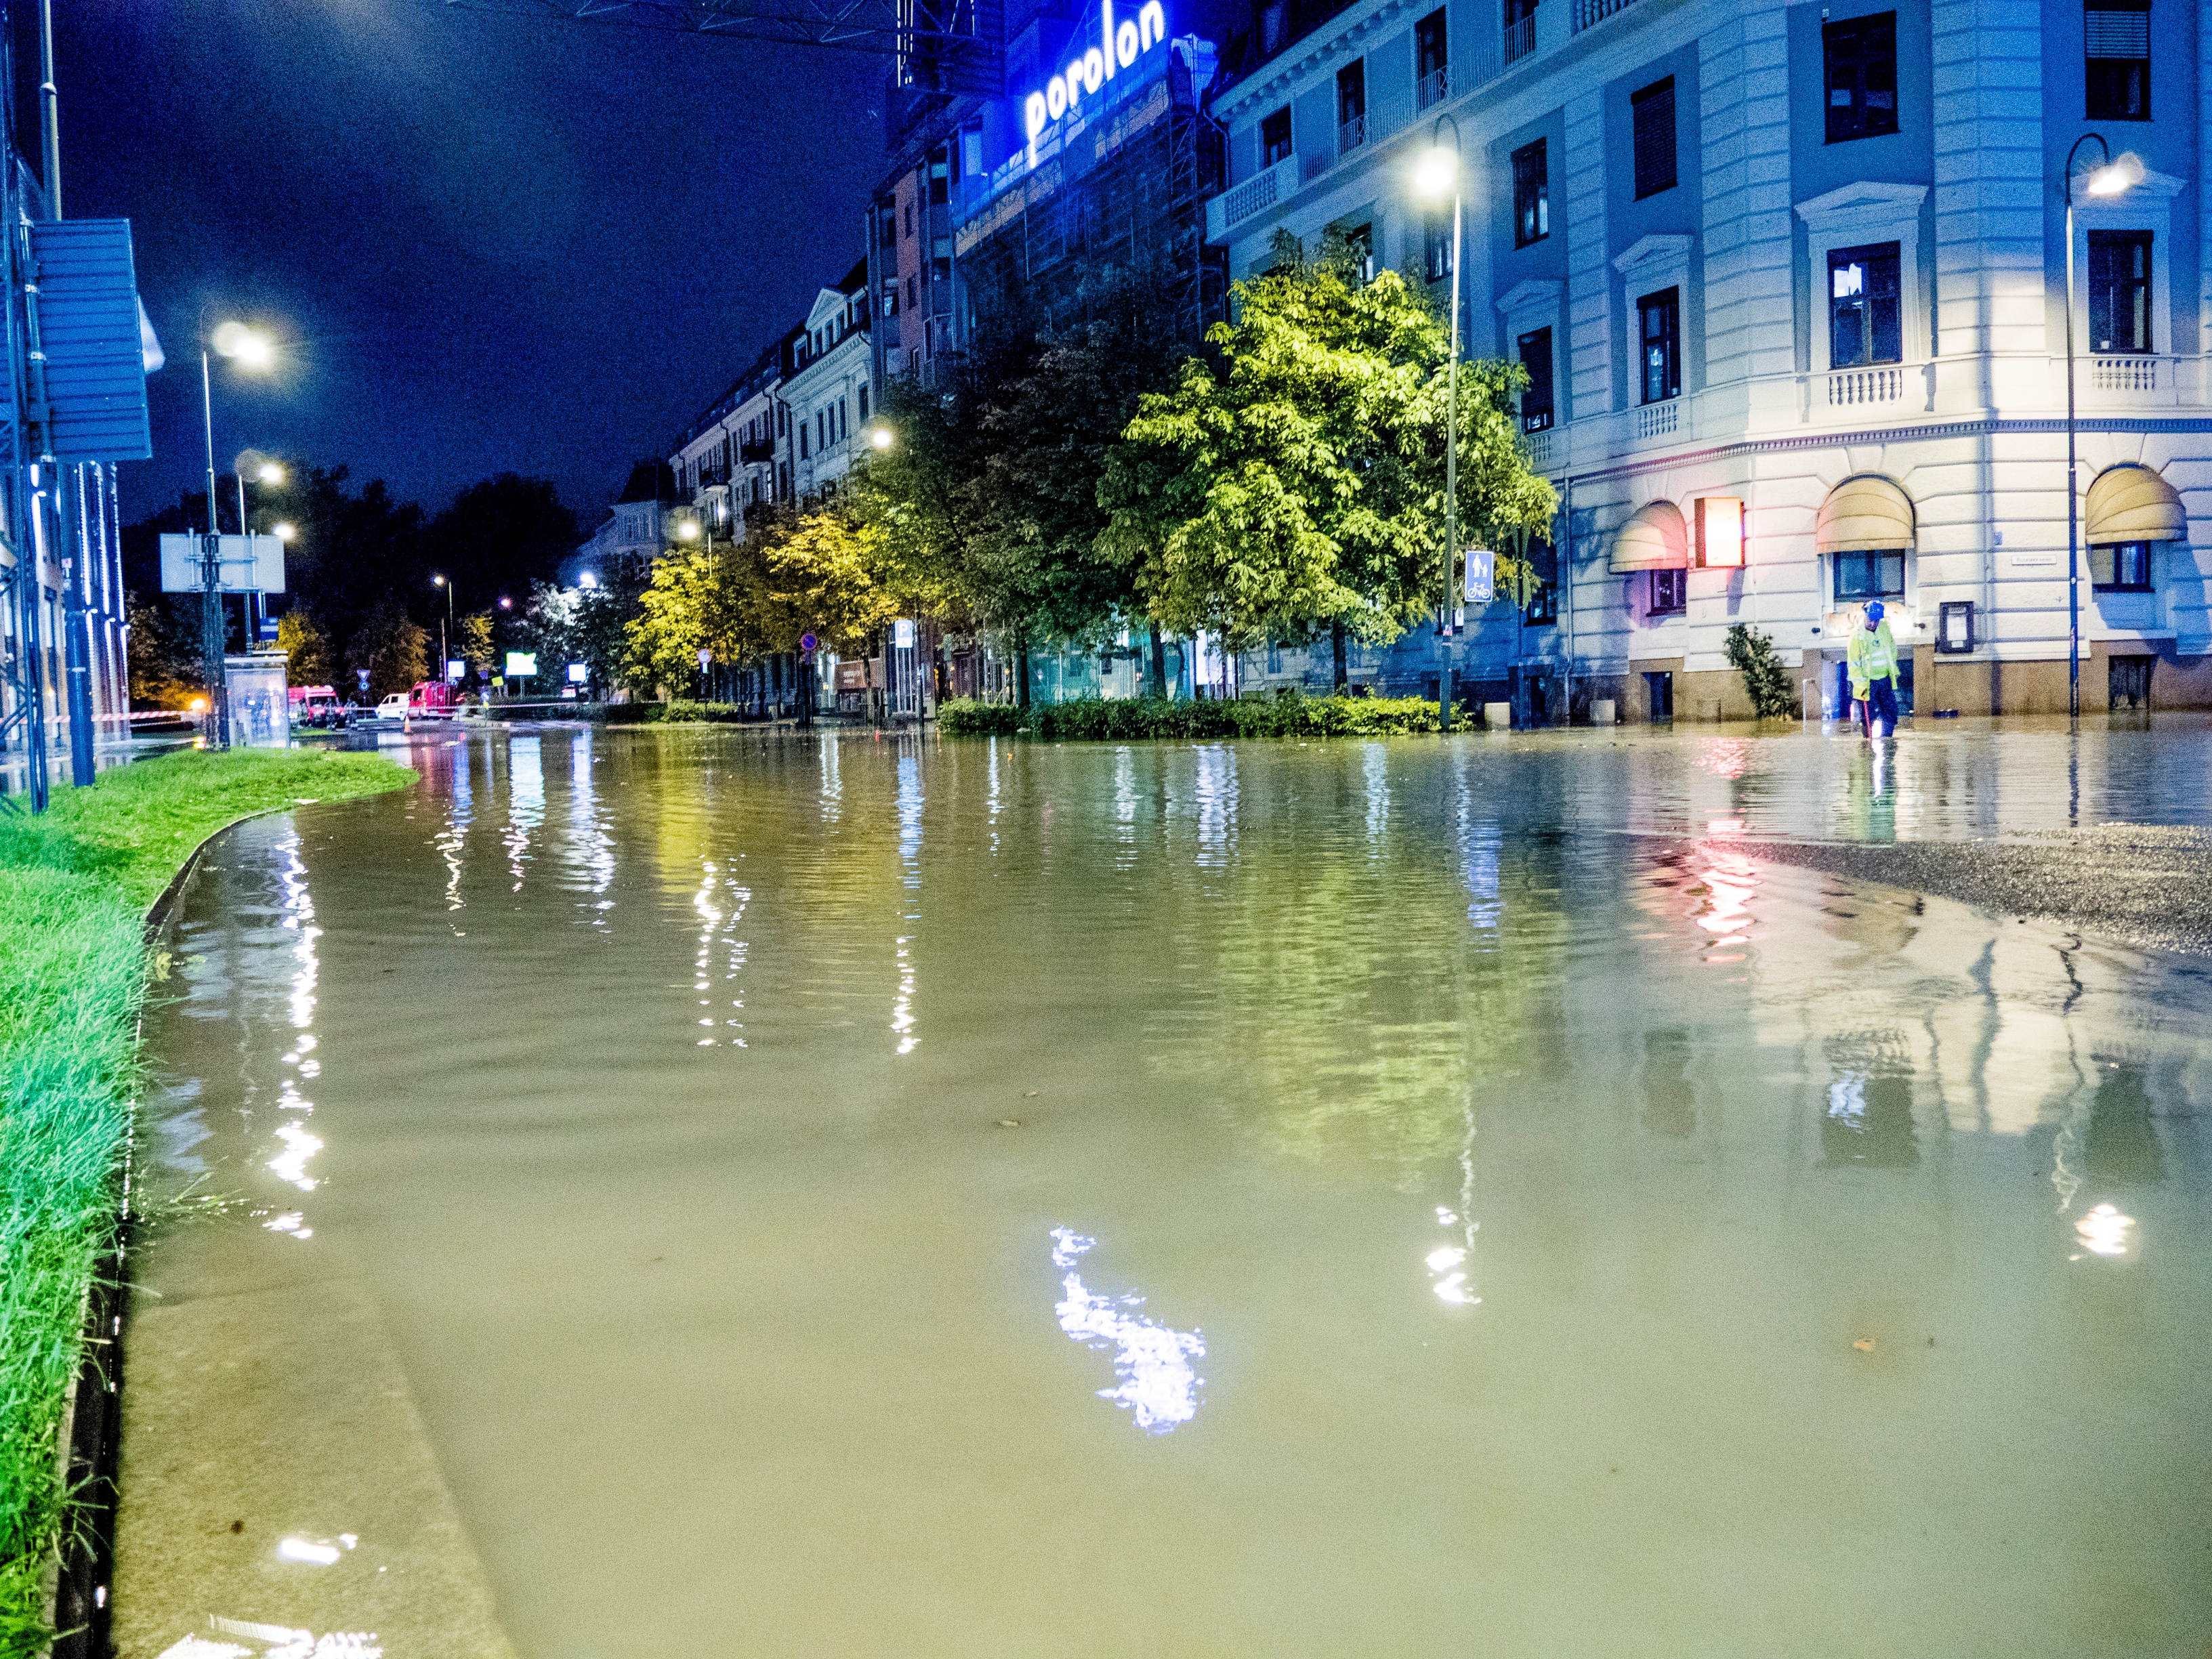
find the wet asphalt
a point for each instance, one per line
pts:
(2149, 885)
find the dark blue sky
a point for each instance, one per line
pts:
(488, 242)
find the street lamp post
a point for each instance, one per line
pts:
(2110, 179)
(444, 623)
(1439, 171)
(267, 472)
(251, 349)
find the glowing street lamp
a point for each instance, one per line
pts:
(285, 532)
(1436, 174)
(882, 437)
(252, 351)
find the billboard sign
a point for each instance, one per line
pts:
(240, 568)
(521, 665)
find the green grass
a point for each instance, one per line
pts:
(1288, 714)
(74, 884)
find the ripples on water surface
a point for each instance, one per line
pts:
(865, 1197)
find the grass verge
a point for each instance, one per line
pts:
(75, 885)
(1288, 714)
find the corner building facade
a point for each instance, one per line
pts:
(1810, 260)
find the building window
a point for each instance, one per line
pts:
(1520, 29)
(1669, 592)
(1864, 321)
(1432, 61)
(1543, 607)
(1532, 195)
(1351, 106)
(1874, 576)
(1860, 55)
(2120, 567)
(910, 218)
(1275, 137)
(2117, 72)
(864, 406)
(1652, 112)
(890, 296)
(803, 450)
(1437, 244)
(1536, 398)
(2120, 290)
(1360, 250)
(1659, 327)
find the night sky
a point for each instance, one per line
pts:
(487, 242)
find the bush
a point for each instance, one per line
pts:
(1764, 680)
(680, 710)
(1288, 714)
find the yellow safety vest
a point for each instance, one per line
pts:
(1873, 655)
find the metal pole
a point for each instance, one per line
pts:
(1451, 464)
(50, 115)
(212, 624)
(75, 573)
(2073, 499)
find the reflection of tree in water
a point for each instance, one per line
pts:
(1868, 1116)
(1365, 1005)
(1670, 1103)
(2122, 1145)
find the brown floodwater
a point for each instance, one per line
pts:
(862, 1196)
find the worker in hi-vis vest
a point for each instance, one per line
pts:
(1873, 664)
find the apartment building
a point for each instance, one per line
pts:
(828, 386)
(1792, 283)
(726, 465)
(634, 533)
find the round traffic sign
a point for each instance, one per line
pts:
(807, 642)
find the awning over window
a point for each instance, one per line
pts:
(1654, 539)
(1865, 515)
(2131, 504)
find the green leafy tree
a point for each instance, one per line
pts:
(479, 647)
(825, 575)
(695, 599)
(392, 647)
(165, 651)
(306, 649)
(1300, 485)
(1765, 681)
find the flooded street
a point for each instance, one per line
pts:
(694, 1192)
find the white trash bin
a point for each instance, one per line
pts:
(1497, 716)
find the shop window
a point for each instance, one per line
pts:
(1865, 324)
(1536, 408)
(1652, 116)
(1532, 195)
(2120, 567)
(1870, 576)
(1275, 137)
(2117, 72)
(1669, 592)
(1659, 327)
(1437, 244)
(2120, 290)
(1859, 58)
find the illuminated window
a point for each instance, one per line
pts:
(1659, 329)
(1864, 325)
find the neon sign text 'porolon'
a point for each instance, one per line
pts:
(1084, 75)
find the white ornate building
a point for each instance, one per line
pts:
(1810, 260)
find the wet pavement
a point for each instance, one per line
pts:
(696, 1193)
